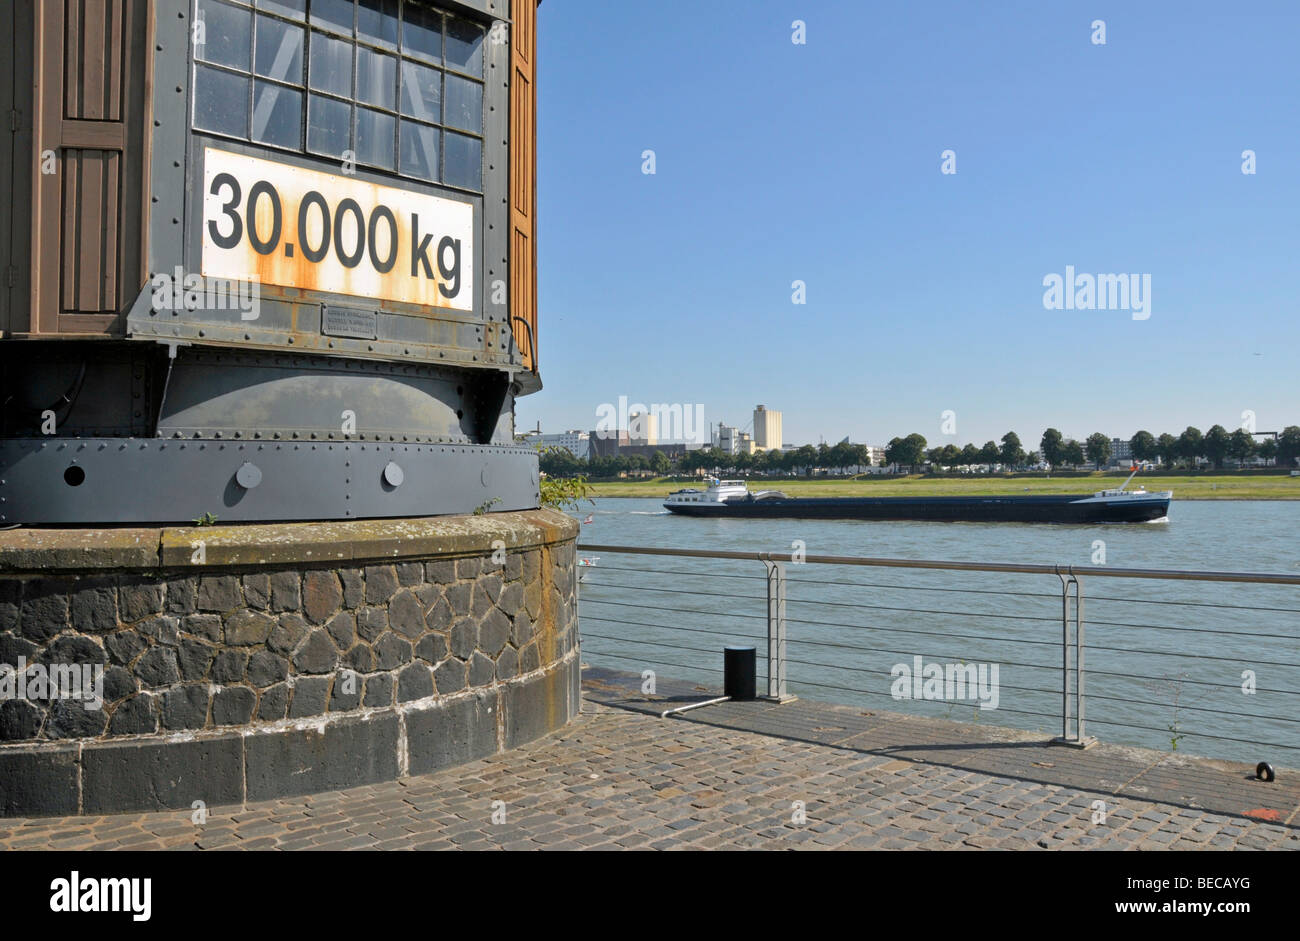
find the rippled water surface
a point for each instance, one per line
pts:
(1166, 660)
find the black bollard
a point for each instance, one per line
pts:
(740, 672)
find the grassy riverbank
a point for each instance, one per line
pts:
(1184, 486)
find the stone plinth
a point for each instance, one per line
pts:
(248, 662)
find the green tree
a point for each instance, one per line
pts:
(1241, 446)
(990, 454)
(1268, 449)
(1098, 448)
(1012, 453)
(1191, 445)
(1167, 445)
(970, 455)
(1072, 453)
(1215, 445)
(1050, 446)
(1288, 446)
(1144, 446)
(661, 464)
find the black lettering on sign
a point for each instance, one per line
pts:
(349, 206)
(419, 249)
(263, 188)
(383, 212)
(314, 198)
(449, 274)
(230, 209)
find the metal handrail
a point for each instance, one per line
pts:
(1267, 578)
(1073, 644)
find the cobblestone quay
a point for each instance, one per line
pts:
(245, 663)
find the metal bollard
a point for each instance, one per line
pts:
(740, 673)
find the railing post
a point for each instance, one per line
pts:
(776, 631)
(1079, 739)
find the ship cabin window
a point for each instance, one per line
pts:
(395, 85)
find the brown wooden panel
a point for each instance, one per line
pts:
(91, 108)
(523, 180)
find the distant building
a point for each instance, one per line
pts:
(1121, 452)
(577, 442)
(767, 428)
(642, 428)
(725, 439)
(606, 443)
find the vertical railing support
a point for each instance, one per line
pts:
(776, 690)
(1079, 739)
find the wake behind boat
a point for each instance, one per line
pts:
(732, 498)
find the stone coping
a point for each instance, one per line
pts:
(39, 551)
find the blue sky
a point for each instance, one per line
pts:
(821, 162)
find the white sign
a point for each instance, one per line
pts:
(305, 229)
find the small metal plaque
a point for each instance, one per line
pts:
(349, 322)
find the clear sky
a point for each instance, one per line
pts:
(821, 162)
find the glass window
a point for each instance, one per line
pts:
(278, 50)
(376, 79)
(333, 15)
(377, 22)
(464, 104)
(421, 91)
(329, 126)
(422, 32)
(277, 115)
(227, 34)
(419, 151)
(220, 101)
(463, 160)
(331, 65)
(464, 46)
(376, 133)
(397, 82)
(293, 9)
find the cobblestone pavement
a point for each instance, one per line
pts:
(622, 780)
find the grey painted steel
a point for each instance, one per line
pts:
(288, 317)
(142, 480)
(253, 394)
(1265, 578)
(776, 660)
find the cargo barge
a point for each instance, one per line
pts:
(732, 498)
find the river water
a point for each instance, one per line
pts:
(1208, 668)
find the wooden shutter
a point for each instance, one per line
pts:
(523, 179)
(90, 103)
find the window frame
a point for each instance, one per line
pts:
(258, 10)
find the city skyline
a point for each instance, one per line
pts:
(821, 177)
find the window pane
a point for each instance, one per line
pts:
(332, 14)
(277, 115)
(422, 32)
(220, 102)
(464, 46)
(377, 22)
(419, 151)
(421, 92)
(376, 79)
(227, 34)
(294, 9)
(464, 104)
(375, 138)
(331, 65)
(279, 50)
(329, 126)
(463, 161)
